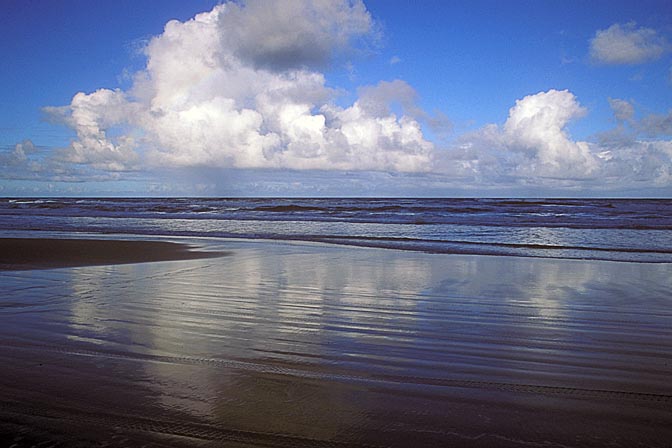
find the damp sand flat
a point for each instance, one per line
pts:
(312, 345)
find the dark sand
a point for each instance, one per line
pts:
(303, 345)
(38, 253)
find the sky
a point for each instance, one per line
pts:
(336, 98)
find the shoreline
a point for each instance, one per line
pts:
(50, 253)
(60, 249)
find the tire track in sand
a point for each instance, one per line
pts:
(372, 379)
(42, 415)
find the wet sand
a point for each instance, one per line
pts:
(48, 253)
(313, 345)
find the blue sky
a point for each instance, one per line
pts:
(310, 98)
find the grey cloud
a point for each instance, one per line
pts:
(656, 125)
(623, 110)
(380, 100)
(397, 96)
(293, 34)
(627, 44)
(652, 125)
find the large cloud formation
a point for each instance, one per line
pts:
(534, 148)
(532, 143)
(240, 87)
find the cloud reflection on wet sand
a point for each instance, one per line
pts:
(304, 342)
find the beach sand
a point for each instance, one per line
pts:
(301, 345)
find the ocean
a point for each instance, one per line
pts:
(632, 230)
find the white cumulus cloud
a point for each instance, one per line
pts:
(90, 116)
(533, 142)
(627, 44)
(240, 86)
(537, 126)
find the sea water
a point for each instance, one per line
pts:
(637, 230)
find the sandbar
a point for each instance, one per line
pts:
(48, 253)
